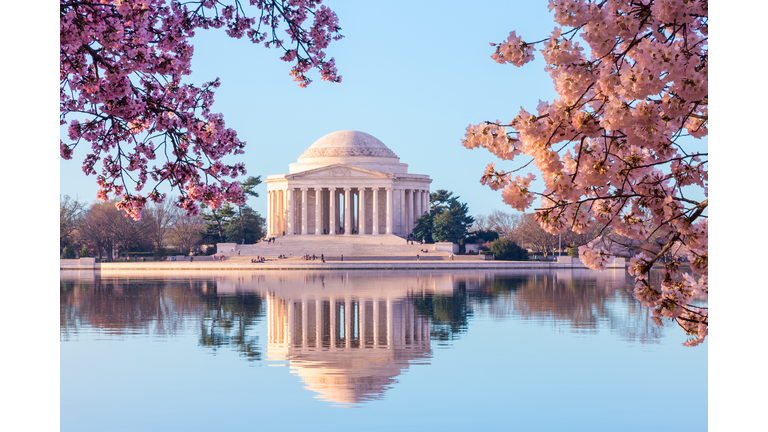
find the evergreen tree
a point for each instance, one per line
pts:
(505, 249)
(248, 227)
(448, 219)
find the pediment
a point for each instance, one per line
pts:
(339, 171)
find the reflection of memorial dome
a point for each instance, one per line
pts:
(354, 376)
(347, 143)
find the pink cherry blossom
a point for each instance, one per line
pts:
(124, 101)
(609, 147)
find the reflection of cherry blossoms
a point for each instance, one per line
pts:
(122, 63)
(617, 146)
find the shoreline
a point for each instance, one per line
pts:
(301, 265)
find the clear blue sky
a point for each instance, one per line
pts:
(415, 74)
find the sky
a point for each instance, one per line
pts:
(414, 75)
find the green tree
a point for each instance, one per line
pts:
(508, 250)
(249, 227)
(67, 252)
(423, 228)
(160, 253)
(448, 219)
(85, 252)
(248, 187)
(482, 236)
(216, 222)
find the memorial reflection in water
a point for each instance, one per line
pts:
(347, 335)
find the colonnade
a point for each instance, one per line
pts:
(346, 322)
(311, 210)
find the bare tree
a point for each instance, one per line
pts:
(480, 223)
(529, 233)
(187, 232)
(160, 219)
(94, 228)
(504, 223)
(127, 232)
(70, 212)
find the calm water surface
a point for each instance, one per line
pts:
(516, 350)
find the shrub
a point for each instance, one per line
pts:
(508, 250)
(85, 252)
(67, 253)
(573, 252)
(160, 254)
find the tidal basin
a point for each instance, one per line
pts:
(545, 350)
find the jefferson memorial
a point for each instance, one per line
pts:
(347, 183)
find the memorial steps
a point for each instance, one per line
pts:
(368, 246)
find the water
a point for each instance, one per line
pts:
(515, 350)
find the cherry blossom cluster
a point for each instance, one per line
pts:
(619, 143)
(122, 64)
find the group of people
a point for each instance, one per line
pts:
(271, 240)
(258, 259)
(308, 257)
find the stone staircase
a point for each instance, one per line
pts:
(370, 247)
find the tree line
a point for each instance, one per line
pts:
(524, 230)
(102, 230)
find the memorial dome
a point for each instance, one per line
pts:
(349, 147)
(348, 143)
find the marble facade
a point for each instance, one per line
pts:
(346, 183)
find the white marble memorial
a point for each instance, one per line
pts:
(346, 183)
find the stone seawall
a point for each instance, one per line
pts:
(297, 264)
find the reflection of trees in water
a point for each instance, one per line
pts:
(448, 314)
(227, 321)
(585, 304)
(161, 307)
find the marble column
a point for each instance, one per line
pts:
(270, 211)
(281, 212)
(361, 211)
(318, 211)
(390, 211)
(403, 212)
(332, 211)
(291, 223)
(304, 211)
(408, 211)
(347, 210)
(273, 214)
(419, 202)
(375, 211)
